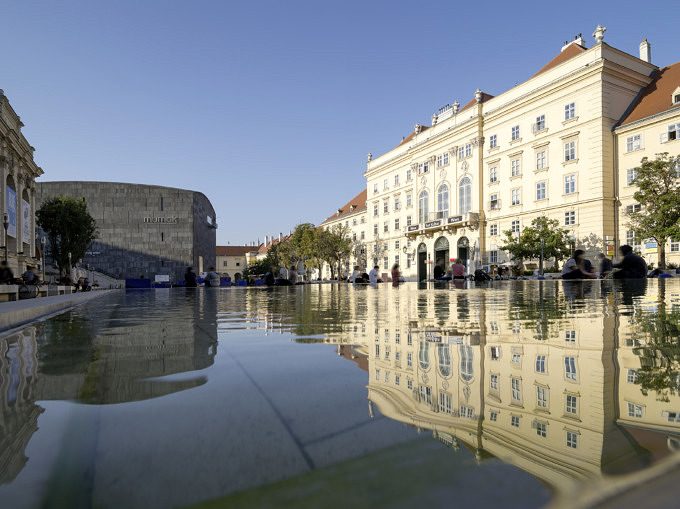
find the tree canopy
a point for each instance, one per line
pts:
(658, 193)
(69, 227)
(527, 245)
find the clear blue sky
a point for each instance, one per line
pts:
(270, 107)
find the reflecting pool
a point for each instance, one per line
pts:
(510, 393)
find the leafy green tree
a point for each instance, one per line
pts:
(527, 246)
(259, 267)
(658, 194)
(334, 246)
(69, 227)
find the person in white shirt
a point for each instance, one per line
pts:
(355, 274)
(373, 275)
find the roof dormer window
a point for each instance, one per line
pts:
(675, 96)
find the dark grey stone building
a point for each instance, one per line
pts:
(143, 230)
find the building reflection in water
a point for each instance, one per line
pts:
(113, 351)
(565, 380)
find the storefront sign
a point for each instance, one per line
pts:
(455, 219)
(12, 212)
(432, 224)
(413, 227)
(166, 220)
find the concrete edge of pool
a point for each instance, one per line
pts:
(22, 312)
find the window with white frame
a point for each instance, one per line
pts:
(493, 382)
(495, 353)
(570, 368)
(516, 357)
(516, 389)
(444, 403)
(514, 226)
(423, 167)
(493, 416)
(354, 236)
(363, 235)
(515, 133)
(569, 151)
(674, 132)
(675, 245)
(426, 394)
(386, 206)
(493, 256)
(493, 230)
(493, 141)
(409, 200)
(385, 185)
(443, 159)
(409, 384)
(443, 201)
(461, 152)
(570, 218)
(633, 143)
(397, 203)
(632, 376)
(375, 229)
(493, 174)
(387, 377)
(572, 440)
(572, 404)
(515, 194)
(408, 174)
(424, 355)
(540, 160)
(632, 240)
(468, 149)
(541, 396)
(423, 206)
(409, 220)
(631, 175)
(377, 374)
(515, 168)
(386, 262)
(375, 188)
(396, 259)
(635, 410)
(467, 369)
(514, 421)
(396, 224)
(494, 203)
(540, 364)
(569, 184)
(409, 359)
(540, 191)
(569, 111)
(464, 195)
(444, 357)
(541, 429)
(386, 227)
(632, 209)
(570, 336)
(540, 123)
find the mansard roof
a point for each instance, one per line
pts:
(656, 97)
(354, 205)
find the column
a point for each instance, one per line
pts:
(20, 217)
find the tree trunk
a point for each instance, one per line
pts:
(662, 254)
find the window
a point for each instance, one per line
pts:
(494, 203)
(572, 404)
(515, 196)
(409, 384)
(674, 132)
(426, 394)
(468, 149)
(461, 152)
(516, 389)
(493, 230)
(424, 355)
(493, 256)
(354, 221)
(443, 201)
(631, 175)
(354, 236)
(375, 229)
(570, 218)
(569, 151)
(443, 159)
(572, 439)
(467, 370)
(386, 227)
(397, 339)
(633, 143)
(514, 226)
(542, 397)
(396, 224)
(516, 168)
(397, 379)
(386, 263)
(397, 203)
(540, 123)
(493, 416)
(385, 185)
(409, 220)
(632, 376)
(569, 184)
(377, 374)
(386, 206)
(516, 358)
(493, 141)
(375, 188)
(464, 195)
(632, 209)
(363, 235)
(423, 167)
(375, 209)
(541, 429)
(409, 200)
(408, 175)
(675, 245)
(515, 133)
(493, 382)
(569, 111)
(444, 402)
(540, 191)
(495, 353)
(514, 421)
(632, 240)
(444, 355)
(423, 206)
(570, 368)
(387, 377)
(540, 364)
(570, 336)
(635, 410)
(493, 174)
(409, 359)
(540, 160)
(396, 180)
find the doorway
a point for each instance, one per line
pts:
(422, 262)
(464, 250)
(441, 250)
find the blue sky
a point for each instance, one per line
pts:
(270, 107)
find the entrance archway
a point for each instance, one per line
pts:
(441, 250)
(463, 250)
(422, 257)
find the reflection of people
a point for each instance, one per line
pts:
(396, 274)
(373, 275)
(578, 267)
(6, 275)
(605, 265)
(439, 268)
(632, 265)
(190, 278)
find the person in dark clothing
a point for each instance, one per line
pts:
(190, 278)
(439, 268)
(578, 267)
(6, 275)
(632, 265)
(269, 278)
(605, 264)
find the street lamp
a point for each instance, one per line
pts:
(5, 223)
(42, 253)
(540, 266)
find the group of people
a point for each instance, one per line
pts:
(631, 266)
(29, 277)
(212, 278)
(270, 278)
(374, 275)
(455, 271)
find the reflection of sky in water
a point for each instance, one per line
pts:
(173, 418)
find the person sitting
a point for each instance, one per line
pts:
(458, 269)
(605, 265)
(269, 279)
(293, 275)
(190, 278)
(373, 275)
(29, 277)
(212, 279)
(439, 269)
(396, 275)
(355, 274)
(631, 266)
(6, 274)
(578, 267)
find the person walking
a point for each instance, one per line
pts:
(632, 266)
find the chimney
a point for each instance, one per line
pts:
(280, 236)
(266, 240)
(456, 106)
(646, 51)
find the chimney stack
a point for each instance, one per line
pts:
(280, 236)
(646, 51)
(266, 240)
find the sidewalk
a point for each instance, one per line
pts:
(20, 312)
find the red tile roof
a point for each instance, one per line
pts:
(234, 250)
(263, 248)
(423, 128)
(571, 51)
(656, 97)
(357, 203)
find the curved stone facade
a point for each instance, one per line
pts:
(143, 230)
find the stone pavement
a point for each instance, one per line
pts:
(16, 313)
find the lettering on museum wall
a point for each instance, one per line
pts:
(166, 220)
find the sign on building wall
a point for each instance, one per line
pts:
(26, 209)
(12, 212)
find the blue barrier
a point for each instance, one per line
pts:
(225, 281)
(242, 282)
(137, 283)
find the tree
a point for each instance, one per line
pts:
(658, 194)
(334, 246)
(69, 226)
(528, 244)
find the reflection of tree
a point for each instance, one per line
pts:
(539, 307)
(69, 349)
(659, 351)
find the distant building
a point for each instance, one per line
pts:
(144, 230)
(18, 172)
(232, 260)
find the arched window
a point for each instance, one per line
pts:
(444, 355)
(464, 195)
(424, 355)
(467, 371)
(423, 206)
(443, 201)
